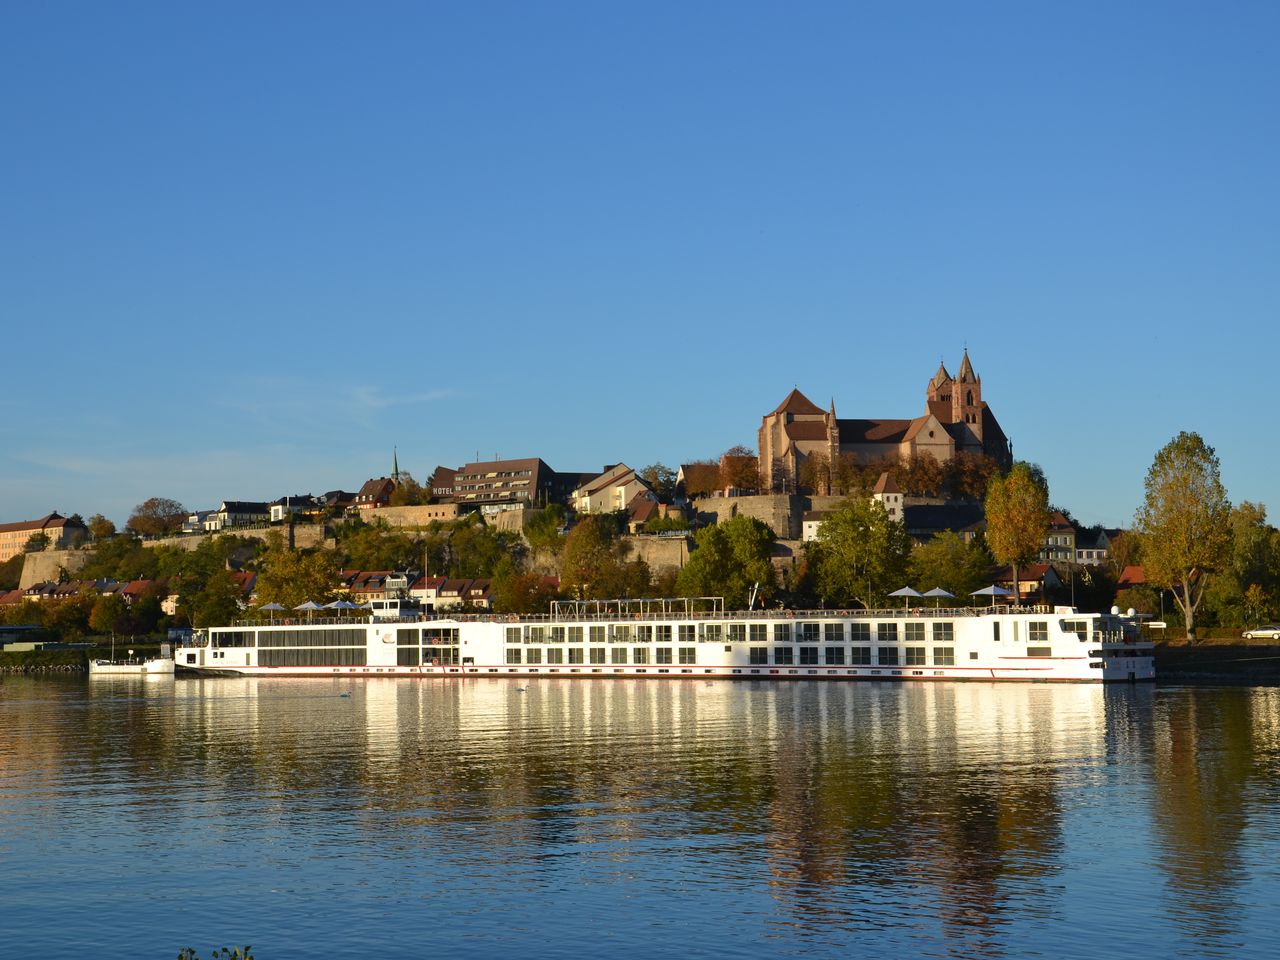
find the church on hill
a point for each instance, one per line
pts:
(955, 420)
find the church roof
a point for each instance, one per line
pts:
(797, 402)
(941, 376)
(966, 370)
(806, 430)
(873, 431)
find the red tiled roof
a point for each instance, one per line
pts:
(1132, 576)
(797, 402)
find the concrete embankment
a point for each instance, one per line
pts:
(1218, 662)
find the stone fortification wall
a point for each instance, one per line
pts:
(305, 535)
(660, 553)
(781, 512)
(45, 564)
(419, 516)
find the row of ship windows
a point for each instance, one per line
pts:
(782, 656)
(761, 656)
(745, 633)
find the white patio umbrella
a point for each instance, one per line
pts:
(938, 592)
(992, 591)
(906, 593)
(271, 606)
(309, 607)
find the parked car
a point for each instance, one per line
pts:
(1269, 632)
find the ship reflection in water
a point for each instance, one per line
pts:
(730, 818)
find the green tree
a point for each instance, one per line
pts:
(218, 603)
(594, 564)
(1017, 509)
(949, 562)
(36, 542)
(1184, 522)
(728, 560)
(375, 546)
(860, 555)
(475, 549)
(11, 572)
(521, 591)
(156, 517)
(121, 558)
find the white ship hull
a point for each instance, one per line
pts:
(1001, 644)
(155, 667)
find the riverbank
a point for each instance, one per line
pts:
(44, 661)
(1218, 661)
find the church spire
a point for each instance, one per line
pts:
(395, 466)
(966, 369)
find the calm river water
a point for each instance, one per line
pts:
(471, 818)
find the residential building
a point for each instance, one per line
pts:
(611, 491)
(956, 420)
(62, 532)
(1093, 546)
(237, 513)
(374, 494)
(1060, 543)
(296, 505)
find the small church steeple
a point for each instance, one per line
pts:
(395, 466)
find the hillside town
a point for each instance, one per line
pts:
(510, 535)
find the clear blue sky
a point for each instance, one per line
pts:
(247, 248)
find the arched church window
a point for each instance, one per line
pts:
(968, 399)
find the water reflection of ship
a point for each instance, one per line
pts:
(843, 787)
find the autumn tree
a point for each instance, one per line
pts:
(739, 468)
(919, 474)
(967, 474)
(156, 517)
(100, 528)
(814, 474)
(1184, 522)
(36, 542)
(860, 555)
(661, 480)
(1017, 509)
(408, 492)
(728, 560)
(109, 614)
(290, 577)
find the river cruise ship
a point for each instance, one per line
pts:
(688, 638)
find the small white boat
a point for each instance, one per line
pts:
(134, 666)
